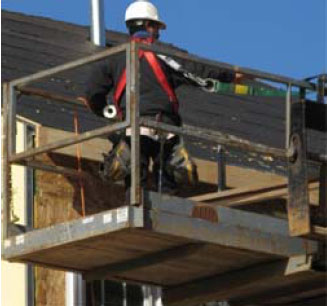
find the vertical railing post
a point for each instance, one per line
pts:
(298, 195)
(12, 100)
(288, 115)
(124, 302)
(102, 292)
(132, 97)
(322, 209)
(221, 162)
(321, 88)
(5, 163)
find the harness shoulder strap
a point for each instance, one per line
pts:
(158, 72)
(121, 85)
(161, 77)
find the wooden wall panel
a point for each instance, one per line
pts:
(57, 199)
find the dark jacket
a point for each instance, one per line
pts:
(153, 98)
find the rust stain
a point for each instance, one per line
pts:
(205, 212)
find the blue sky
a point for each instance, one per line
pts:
(280, 36)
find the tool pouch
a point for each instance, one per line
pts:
(181, 166)
(117, 164)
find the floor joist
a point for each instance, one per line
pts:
(223, 287)
(143, 261)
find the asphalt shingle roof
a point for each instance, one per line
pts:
(31, 44)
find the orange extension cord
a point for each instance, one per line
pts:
(79, 164)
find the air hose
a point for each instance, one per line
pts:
(214, 86)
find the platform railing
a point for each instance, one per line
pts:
(294, 152)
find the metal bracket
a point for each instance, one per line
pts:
(298, 264)
(298, 200)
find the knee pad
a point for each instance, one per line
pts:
(181, 166)
(117, 164)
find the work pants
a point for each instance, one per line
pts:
(151, 151)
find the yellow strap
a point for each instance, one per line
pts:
(188, 163)
(241, 89)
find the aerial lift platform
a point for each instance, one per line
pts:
(197, 251)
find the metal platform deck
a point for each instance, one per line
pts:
(169, 242)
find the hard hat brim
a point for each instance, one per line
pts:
(162, 25)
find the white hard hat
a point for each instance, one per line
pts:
(143, 10)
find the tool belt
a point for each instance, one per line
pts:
(117, 164)
(181, 166)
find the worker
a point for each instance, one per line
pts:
(160, 76)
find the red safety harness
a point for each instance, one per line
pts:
(158, 72)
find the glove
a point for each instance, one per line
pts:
(222, 76)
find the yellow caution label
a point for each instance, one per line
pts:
(241, 89)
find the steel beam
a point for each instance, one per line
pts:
(235, 228)
(69, 141)
(143, 261)
(298, 200)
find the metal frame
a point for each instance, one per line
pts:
(233, 228)
(283, 258)
(171, 216)
(133, 120)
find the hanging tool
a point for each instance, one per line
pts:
(110, 112)
(215, 86)
(162, 140)
(161, 161)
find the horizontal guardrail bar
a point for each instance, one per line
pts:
(221, 138)
(54, 169)
(317, 157)
(69, 141)
(37, 92)
(252, 72)
(70, 65)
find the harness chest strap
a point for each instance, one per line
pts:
(158, 72)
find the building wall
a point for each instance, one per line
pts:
(13, 275)
(57, 199)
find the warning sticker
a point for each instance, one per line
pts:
(107, 218)
(20, 239)
(7, 243)
(88, 220)
(122, 215)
